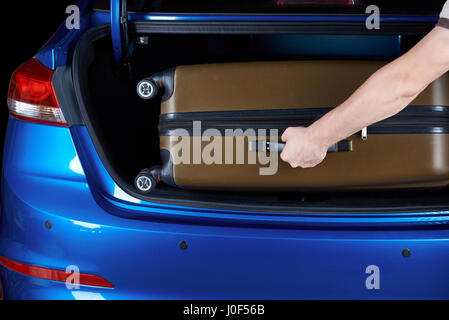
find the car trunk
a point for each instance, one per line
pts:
(124, 128)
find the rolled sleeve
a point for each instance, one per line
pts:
(444, 16)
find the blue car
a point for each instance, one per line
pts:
(73, 226)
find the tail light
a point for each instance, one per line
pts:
(53, 274)
(31, 96)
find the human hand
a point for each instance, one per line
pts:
(302, 148)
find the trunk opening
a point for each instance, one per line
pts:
(125, 128)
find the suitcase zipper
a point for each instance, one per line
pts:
(432, 119)
(365, 134)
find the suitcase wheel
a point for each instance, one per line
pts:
(147, 89)
(145, 182)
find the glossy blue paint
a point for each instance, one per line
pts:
(55, 174)
(102, 17)
(279, 18)
(116, 30)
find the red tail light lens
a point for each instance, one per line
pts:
(54, 275)
(31, 95)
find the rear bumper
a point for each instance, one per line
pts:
(220, 263)
(44, 181)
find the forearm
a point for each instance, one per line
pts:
(381, 97)
(384, 94)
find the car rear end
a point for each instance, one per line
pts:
(77, 134)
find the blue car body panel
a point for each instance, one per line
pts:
(55, 174)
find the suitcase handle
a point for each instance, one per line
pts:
(267, 146)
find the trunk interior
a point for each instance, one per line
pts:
(125, 126)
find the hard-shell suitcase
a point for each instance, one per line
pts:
(213, 119)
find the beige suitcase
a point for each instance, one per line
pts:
(202, 104)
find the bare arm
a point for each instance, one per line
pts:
(384, 94)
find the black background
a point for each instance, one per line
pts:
(26, 27)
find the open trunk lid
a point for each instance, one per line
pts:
(262, 16)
